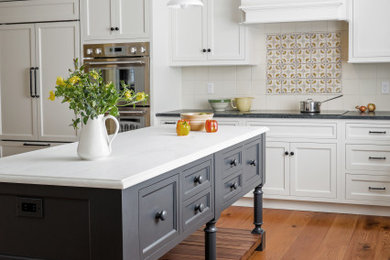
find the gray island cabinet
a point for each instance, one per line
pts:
(154, 191)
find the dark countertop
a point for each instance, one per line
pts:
(330, 114)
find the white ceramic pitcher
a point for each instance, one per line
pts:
(94, 141)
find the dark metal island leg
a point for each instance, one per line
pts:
(210, 240)
(258, 215)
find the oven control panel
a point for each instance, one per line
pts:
(133, 49)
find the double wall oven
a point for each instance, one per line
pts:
(127, 62)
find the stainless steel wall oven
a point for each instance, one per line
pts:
(127, 62)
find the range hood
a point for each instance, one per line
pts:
(275, 11)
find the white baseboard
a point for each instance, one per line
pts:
(318, 206)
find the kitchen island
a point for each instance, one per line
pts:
(154, 190)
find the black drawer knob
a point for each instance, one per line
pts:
(198, 179)
(208, 50)
(253, 163)
(234, 186)
(286, 153)
(204, 50)
(162, 215)
(112, 29)
(292, 154)
(234, 162)
(116, 28)
(199, 208)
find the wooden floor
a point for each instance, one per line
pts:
(313, 235)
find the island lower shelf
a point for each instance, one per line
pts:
(141, 222)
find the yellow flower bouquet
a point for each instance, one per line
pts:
(89, 96)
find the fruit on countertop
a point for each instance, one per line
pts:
(183, 127)
(371, 107)
(361, 108)
(211, 126)
(197, 120)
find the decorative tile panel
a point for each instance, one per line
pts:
(303, 63)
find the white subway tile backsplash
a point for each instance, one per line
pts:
(361, 83)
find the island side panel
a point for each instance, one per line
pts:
(53, 222)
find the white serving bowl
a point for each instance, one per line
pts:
(219, 105)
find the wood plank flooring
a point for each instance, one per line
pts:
(314, 235)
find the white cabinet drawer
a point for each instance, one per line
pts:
(365, 187)
(367, 132)
(300, 130)
(368, 157)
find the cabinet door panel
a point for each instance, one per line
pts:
(277, 165)
(369, 38)
(18, 108)
(225, 35)
(313, 170)
(98, 15)
(133, 18)
(58, 44)
(189, 34)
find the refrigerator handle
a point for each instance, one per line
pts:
(35, 82)
(31, 82)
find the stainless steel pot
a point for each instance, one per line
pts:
(311, 106)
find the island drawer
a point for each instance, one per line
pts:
(198, 210)
(158, 215)
(373, 132)
(197, 177)
(368, 157)
(368, 187)
(232, 187)
(232, 161)
(253, 170)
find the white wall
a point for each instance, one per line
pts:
(361, 82)
(165, 80)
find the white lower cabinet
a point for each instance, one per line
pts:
(8, 148)
(313, 170)
(301, 169)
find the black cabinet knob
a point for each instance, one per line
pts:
(199, 208)
(292, 154)
(162, 215)
(253, 163)
(116, 28)
(234, 186)
(198, 179)
(112, 28)
(286, 153)
(204, 50)
(208, 50)
(234, 162)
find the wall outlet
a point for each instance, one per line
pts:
(385, 87)
(210, 88)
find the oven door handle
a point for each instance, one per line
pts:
(131, 112)
(114, 62)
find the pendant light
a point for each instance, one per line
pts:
(184, 3)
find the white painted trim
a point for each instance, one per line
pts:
(318, 207)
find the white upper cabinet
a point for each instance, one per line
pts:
(277, 11)
(110, 20)
(369, 31)
(210, 35)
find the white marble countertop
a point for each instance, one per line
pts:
(137, 156)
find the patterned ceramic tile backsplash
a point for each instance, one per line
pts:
(303, 63)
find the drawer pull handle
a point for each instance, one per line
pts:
(376, 158)
(377, 188)
(253, 163)
(162, 215)
(198, 179)
(199, 208)
(234, 186)
(233, 162)
(377, 132)
(169, 123)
